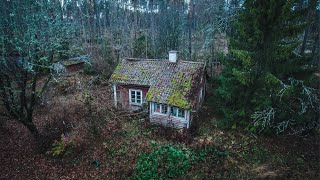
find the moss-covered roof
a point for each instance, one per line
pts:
(170, 83)
(75, 60)
(70, 63)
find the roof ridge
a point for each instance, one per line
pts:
(142, 59)
(195, 62)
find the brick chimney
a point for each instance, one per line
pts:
(173, 56)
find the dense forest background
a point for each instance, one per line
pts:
(267, 48)
(117, 29)
(269, 51)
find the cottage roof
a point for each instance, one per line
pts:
(170, 83)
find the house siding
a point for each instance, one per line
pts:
(169, 121)
(199, 95)
(122, 99)
(122, 92)
(74, 67)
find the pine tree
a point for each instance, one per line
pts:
(142, 47)
(262, 63)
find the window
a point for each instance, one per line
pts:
(161, 108)
(135, 96)
(164, 109)
(157, 108)
(181, 113)
(177, 112)
(174, 111)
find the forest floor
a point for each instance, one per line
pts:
(95, 141)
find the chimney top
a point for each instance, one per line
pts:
(173, 56)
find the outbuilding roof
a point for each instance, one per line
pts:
(170, 83)
(75, 60)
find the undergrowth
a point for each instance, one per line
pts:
(169, 161)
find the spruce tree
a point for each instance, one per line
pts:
(264, 77)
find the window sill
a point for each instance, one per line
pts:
(135, 104)
(157, 113)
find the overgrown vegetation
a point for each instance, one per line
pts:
(169, 161)
(269, 50)
(267, 86)
(164, 162)
(62, 147)
(100, 142)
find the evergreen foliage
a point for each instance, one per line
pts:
(30, 37)
(262, 62)
(142, 47)
(165, 162)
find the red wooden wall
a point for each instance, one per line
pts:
(123, 96)
(74, 67)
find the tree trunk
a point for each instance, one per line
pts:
(107, 18)
(32, 128)
(310, 17)
(135, 19)
(316, 43)
(304, 43)
(152, 25)
(61, 10)
(96, 12)
(190, 29)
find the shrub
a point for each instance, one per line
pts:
(63, 147)
(89, 69)
(168, 161)
(164, 162)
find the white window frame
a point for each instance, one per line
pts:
(167, 108)
(169, 111)
(177, 115)
(135, 99)
(154, 109)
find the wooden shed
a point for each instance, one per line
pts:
(71, 65)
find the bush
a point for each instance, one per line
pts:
(168, 161)
(88, 69)
(63, 147)
(165, 162)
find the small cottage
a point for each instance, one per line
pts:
(172, 90)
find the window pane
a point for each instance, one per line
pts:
(173, 111)
(139, 100)
(138, 93)
(164, 109)
(132, 94)
(181, 113)
(133, 97)
(157, 108)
